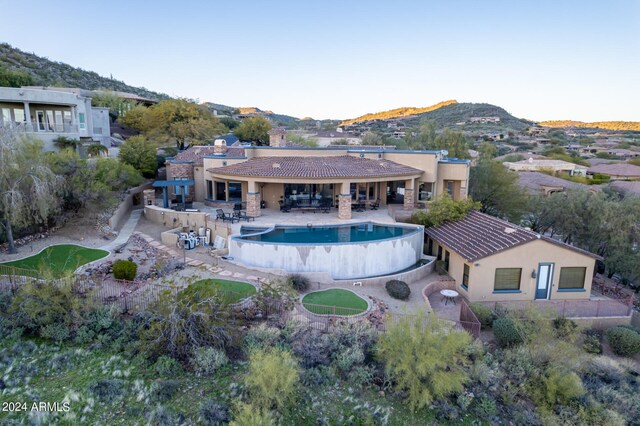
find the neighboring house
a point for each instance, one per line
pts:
(542, 183)
(327, 138)
(556, 166)
(494, 260)
(188, 164)
(49, 113)
(340, 174)
(627, 188)
(617, 171)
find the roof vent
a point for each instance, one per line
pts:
(509, 230)
(276, 165)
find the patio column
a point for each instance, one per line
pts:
(344, 201)
(253, 199)
(409, 194)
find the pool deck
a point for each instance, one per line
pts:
(271, 217)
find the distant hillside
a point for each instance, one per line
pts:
(607, 125)
(451, 115)
(396, 113)
(44, 72)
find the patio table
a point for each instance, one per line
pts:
(449, 296)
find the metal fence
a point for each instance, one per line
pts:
(573, 308)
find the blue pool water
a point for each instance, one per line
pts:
(357, 232)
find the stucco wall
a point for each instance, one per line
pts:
(527, 257)
(123, 210)
(174, 219)
(341, 261)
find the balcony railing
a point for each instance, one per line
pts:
(42, 127)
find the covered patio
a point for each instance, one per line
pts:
(350, 184)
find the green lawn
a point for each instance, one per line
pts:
(231, 291)
(57, 261)
(350, 302)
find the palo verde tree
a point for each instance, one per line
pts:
(139, 152)
(28, 187)
(445, 209)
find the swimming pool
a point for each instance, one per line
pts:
(344, 251)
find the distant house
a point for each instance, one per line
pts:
(616, 171)
(627, 188)
(50, 113)
(544, 184)
(328, 138)
(556, 166)
(494, 260)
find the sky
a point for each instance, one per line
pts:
(537, 59)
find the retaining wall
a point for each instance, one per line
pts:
(122, 212)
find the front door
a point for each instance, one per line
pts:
(545, 277)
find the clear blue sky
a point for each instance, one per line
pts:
(339, 59)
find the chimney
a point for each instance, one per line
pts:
(278, 137)
(219, 147)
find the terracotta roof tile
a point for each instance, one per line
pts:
(480, 235)
(196, 153)
(316, 167)
(619, 169)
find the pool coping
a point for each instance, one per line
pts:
(309, 314)
(240, 240)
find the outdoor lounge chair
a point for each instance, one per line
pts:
(243, 216)
(220, 214)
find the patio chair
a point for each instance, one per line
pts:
(243, 216)
(325, 205)
(284, 207)
(375, 204)
(226, 217)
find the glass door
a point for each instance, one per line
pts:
(40, 118)
(545, 277)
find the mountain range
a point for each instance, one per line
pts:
(35, 70)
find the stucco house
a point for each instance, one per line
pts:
(49, 113)
(556, 166)
(344, 175)
(494, 260)
(616, 171)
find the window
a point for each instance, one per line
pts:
(429, 246)
(465, 277)
(209, 190)
(424, 191)
(439, 252)
(81, 119)
(572, 278)
(507, 279)
(446, 260)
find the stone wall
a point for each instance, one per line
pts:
(122, 212)
(253, 204)
(409, 199)
(344, 206)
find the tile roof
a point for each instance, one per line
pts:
(195, 153)
(535, 181)
(316, 167)
(480, 235)
(627, 187)
(619, 169)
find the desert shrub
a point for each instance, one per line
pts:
(624, 341)
(347, 359)
(124, 270)
(213, 413)
(207, 360)
(484, 314)
(178, 326)
(592, 344)
(107, 389)
(317, 376)
(485, 408)
(38, 304)
(7, 330)
(163, 390)
(167, 366)
(250, 415)
(314, 348)
(507, 332)
(564, 327)
(271, 369)
(424, 360)
(56, 332)
(446, 410)
(557, 387)
(160, 416)
(398, 289)
(362, 334)
(262, 336)
(298, 282)
(360, 376)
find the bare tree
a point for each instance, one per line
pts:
(28, 187)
